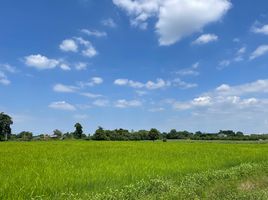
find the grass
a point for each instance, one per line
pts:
(133, 170)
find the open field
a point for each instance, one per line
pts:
(133, 170)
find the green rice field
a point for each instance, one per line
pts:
(133, 170)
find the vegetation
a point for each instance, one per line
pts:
(77, 169)
(122, 134)
(5, 130)
(133, 170)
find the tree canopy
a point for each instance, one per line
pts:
(5, 123)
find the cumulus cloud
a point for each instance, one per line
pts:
(260, 51)
(176, 19)
(62, 105)
(122, 103)
(206, 38)
(261, 29)
(89, 49)
(109, 23)
(79, 44)
(95, 33)
(150, 85)
(154, 85)
(69, 45)
(64, 88)
(3, 79)
(92, 82)
(259, 86)
(41, 62)
(228, 97)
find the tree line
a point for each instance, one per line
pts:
(121, 134)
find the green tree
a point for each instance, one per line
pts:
(58, 133)
(100, 134)
(25, 135)
(78, 131)
(154, 134)
(5, 129)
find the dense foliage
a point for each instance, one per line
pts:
(5, 129)
(122, 134)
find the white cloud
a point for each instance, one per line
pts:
(101, 103)
(176, 18)
(121, 81)
(8, 68)
(202, 101)
(242, 50)
(238, 57)
(65, 67)
(261, 50)
(95, 33)
(206, 38)
(92, 82)
(81, 66)
(259, 86)
(224, 63)
(180, 18)
(122, 103)
(150, 85)
(96, 81)
(226, 97)
(62, 105)
(183, 85)
(239, 54)
(160, 83)
(40, 62)
(141, 92)
(263, 29)
(109, 23)
(89, 50)
(69, 45)
(90, 95)
(3, 79)
(64, 88)
(191, 71)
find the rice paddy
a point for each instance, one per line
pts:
(133, 170)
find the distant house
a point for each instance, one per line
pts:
(53, 136)
(221, 135)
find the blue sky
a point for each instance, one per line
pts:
(190, 65)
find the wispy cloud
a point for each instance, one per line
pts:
(205, 38)
(109, 23)
(62, 105)
(123, 103)
(95, 33)
(260, 51)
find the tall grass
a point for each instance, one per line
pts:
(81, 168)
